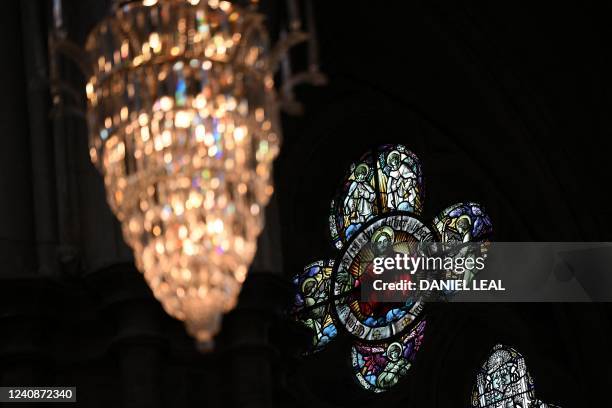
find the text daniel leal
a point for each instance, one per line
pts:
(446, 285)
(458, 285)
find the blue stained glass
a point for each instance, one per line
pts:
(463, 223)
(311, 307)
(384, 180)
(377, 210)
(378, 367)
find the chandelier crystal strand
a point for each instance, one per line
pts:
(183, 127)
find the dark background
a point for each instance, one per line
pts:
(505, 103)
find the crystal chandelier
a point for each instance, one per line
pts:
(183, 126)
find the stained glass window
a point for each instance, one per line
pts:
(380, 366)
(464, 223)
(377, 210)
(400, 179)
(503, 381)
(311, 306)
(375, 319)
(386, 179)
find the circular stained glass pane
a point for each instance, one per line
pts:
(367, 314)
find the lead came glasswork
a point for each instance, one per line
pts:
(503, 381)
(311, 305)
(463, 223)
(400, 179)
(380, 367)
(376, 320)
(378, 211)
(387, 179)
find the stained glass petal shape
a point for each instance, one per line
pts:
(379, 367)
(464, 223)
(311, 303)
(383, 180)
(357, 201)
(400, 179)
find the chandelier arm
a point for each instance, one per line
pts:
(306, 77)
(287, 98)
(282, 47)
(280, 58)
(319, 79)
(72, 51)
(60, 44)
(293, 12)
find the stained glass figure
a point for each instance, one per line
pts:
(504, 382)
(378, 367)
(376, 213)
(384, 180)
(311, 306)
(376, 319)
(464, 223)
(356, 203)
(400, 179)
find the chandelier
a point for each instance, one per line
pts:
(183, 120)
